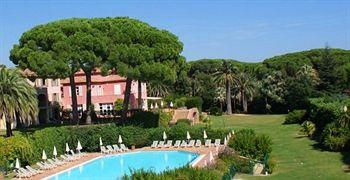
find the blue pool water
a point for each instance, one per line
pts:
(115, 166)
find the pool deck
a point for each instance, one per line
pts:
(202, 161)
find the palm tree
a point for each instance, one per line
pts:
(220, 96)
(246, 89)
(225, 76)
(18, 100)
(157, 89)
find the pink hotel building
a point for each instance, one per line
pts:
(104, 91)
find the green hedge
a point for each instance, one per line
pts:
(295, 117)
(28, 146)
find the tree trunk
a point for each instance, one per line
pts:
(74, 99)
(244, 102)
(228, 97)
(126, 98)
(8, 127)
(139, 100)
(88, 97)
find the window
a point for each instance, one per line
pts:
(117, 90)
(78, 90)
(39, 82)
(96, 90)
(55, 97)
(54, 82)
(106, 108)
(62, 92)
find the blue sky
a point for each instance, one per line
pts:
(244, 30)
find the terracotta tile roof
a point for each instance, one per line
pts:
(95, 79)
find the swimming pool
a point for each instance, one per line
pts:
(115, 166)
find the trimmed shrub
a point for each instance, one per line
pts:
(336, 138)
(180, 102)
(308, 128)
(186, 121)
(144, 119)
(215, 111)
(164, 118)
(296, 116)
(196, 102)
(251, 145)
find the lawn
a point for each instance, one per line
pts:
(297, 157)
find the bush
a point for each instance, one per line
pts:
(296, 116)
(215, 111)
(186, 121)
(308, 128)
(183, 173)
(251, 145)
(270, 165)
(118, 104)
(144, 119)
(164, 118)
(194, 102)
(180, 102)
(336, 138)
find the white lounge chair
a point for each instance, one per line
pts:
(110, 149)
(116, 148)
(67, 158)
(154, 144)
(161, 144)
(191, 143)
(24, 173)
(104, 150)
(208, 143)
(177, 143)
(59, 161)
(183, 143)
(123, 147)
(217, 142)
(32, 170)
(198, 143)
(54, 163)
(43, 166)
(169, 143)
(76, 156)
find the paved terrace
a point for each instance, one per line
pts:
(204, 151)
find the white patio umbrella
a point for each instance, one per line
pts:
(233, 132)
(188, 136)
(67, 148)
(54, 151)
(345, 108)
(211, 157)
(161, 104)
(101, 144)
(79, 146)
(151, 106)
(17, 166)
(171, 104)
(156, 106)
(120, 140)
(164, 136)
(205, 135)
(44, 157)
(225, 141)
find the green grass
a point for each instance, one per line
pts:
(297, 157)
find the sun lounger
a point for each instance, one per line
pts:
(169, 143)
(24, 173)
(67, 158)
(198, 143)
(123, 147)
(217, 142)
(161, 144)
(104, 150)
(59, 161)
(32, 170)
(191, 143)
(54, 163)
(183, 143)
(177, 143)
(116, 148)
(154, 144)
(110, 149)
(43, 166)
(208, 143)
(76, 156)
